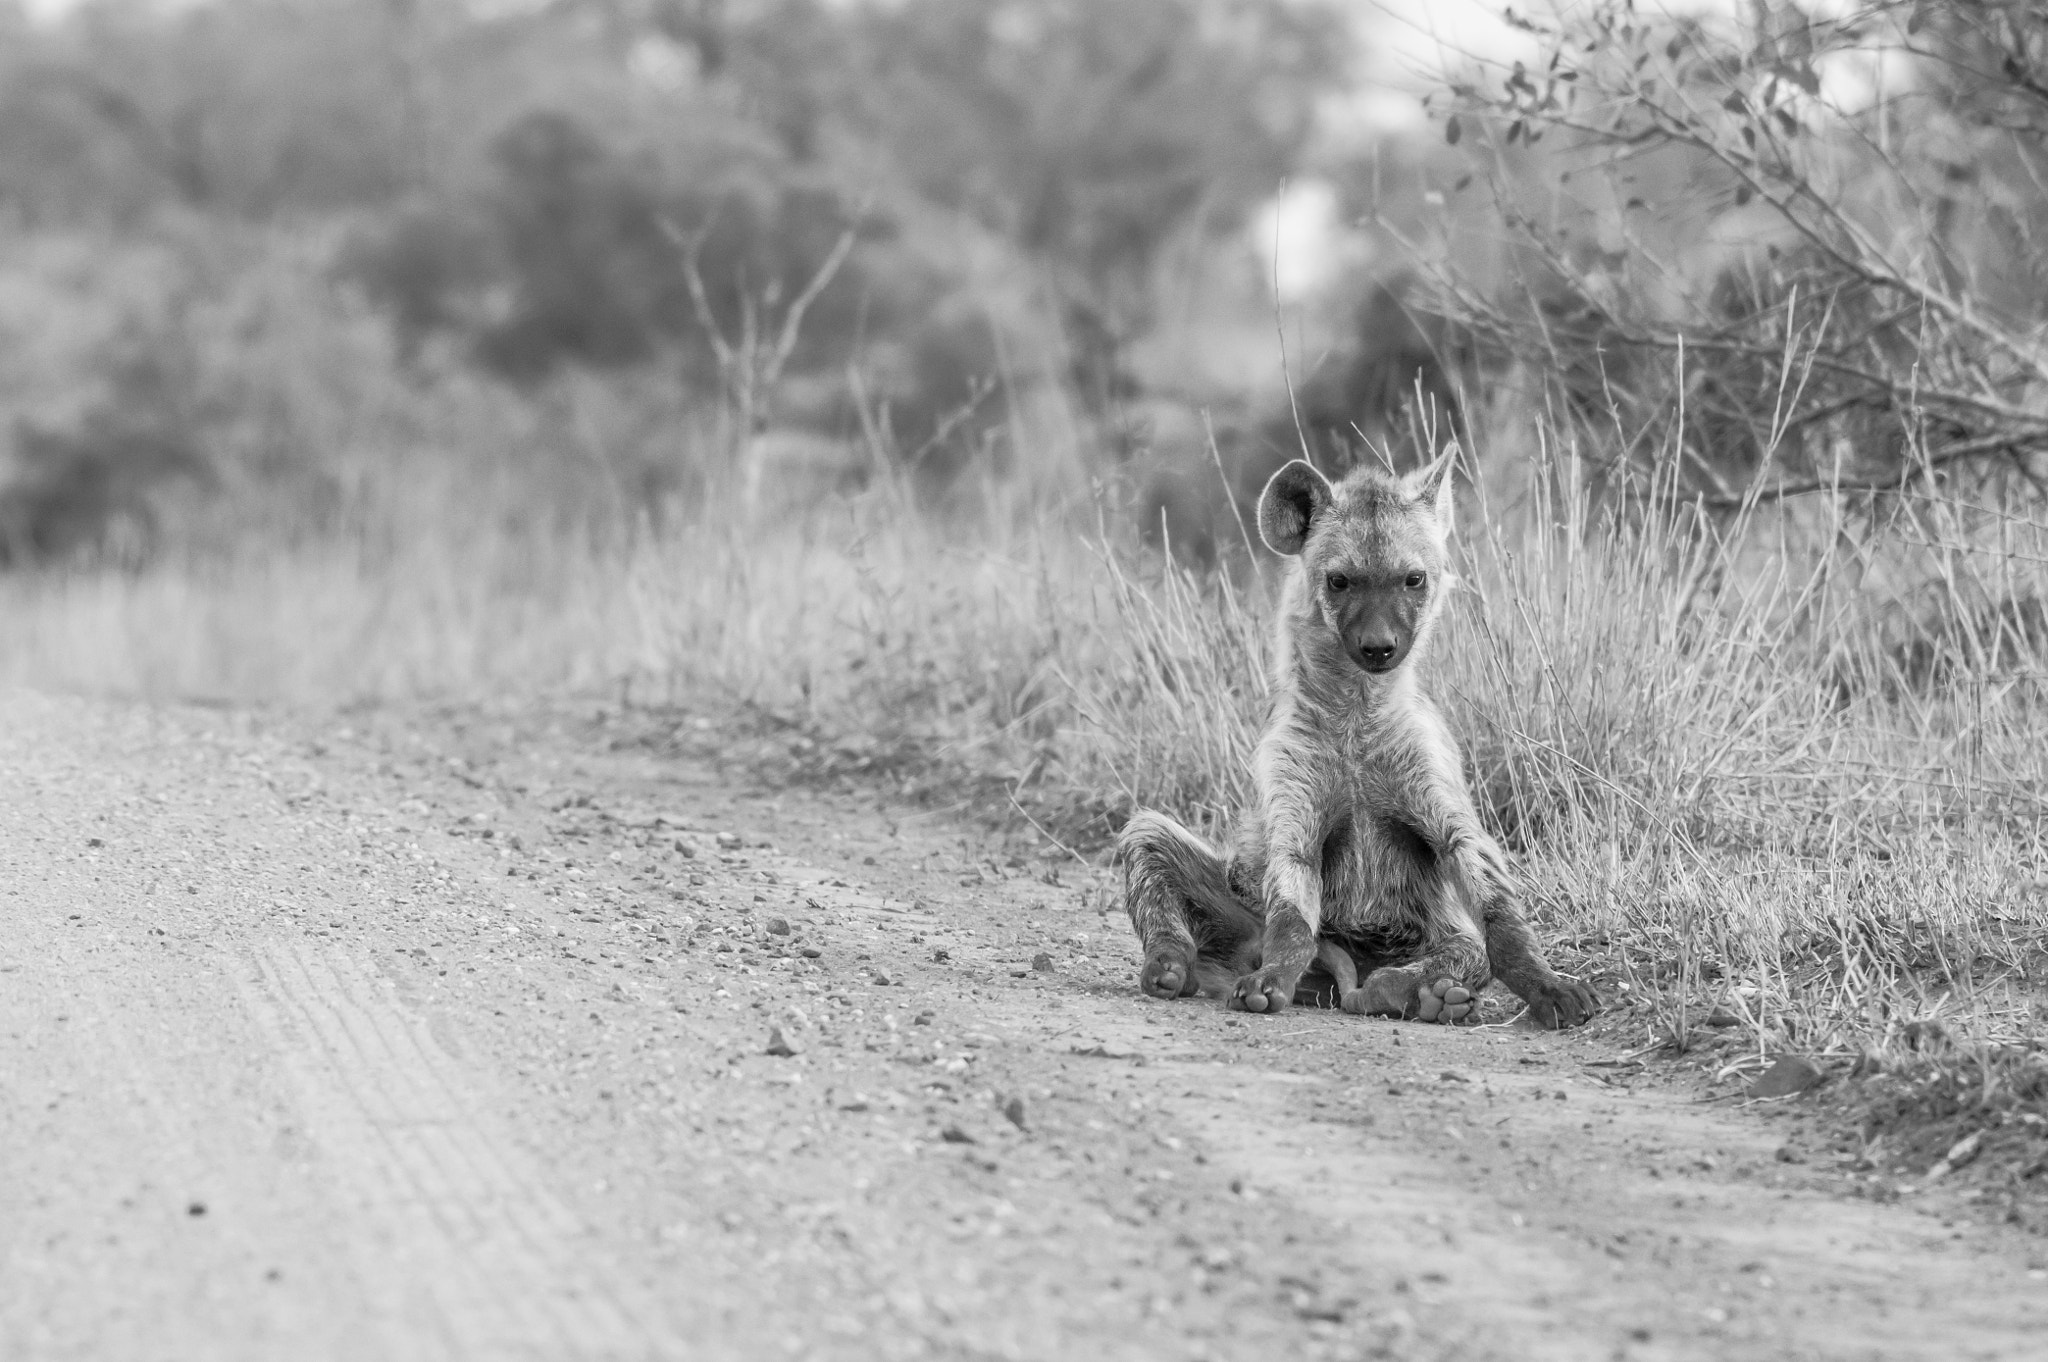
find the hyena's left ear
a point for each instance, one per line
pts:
(1433, 485)
(1293, 498)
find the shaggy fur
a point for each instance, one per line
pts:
(1363, 855)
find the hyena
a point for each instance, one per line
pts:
(1362, 856)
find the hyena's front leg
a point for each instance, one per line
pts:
(1554, 1000)
(1294, 896)
(1177, 891)
(1511, 948)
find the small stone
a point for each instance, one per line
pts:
(882, 979)
(923, 1019)
(1961, 1153)
(809, 952)
(1789, 1076)
(729, 841)
(955, 1135)
(1042, 962)
(685, 850)
(196, 1208)
(941, 956)
(778, 1043)
(778, 926)
(1013, 1111)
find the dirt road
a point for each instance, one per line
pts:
(420, 1037)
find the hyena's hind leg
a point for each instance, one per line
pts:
(1441, 985)
(1177, 891)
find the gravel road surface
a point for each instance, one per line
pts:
(448, 1035)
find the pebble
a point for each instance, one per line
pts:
(1962, 1152)
(778, 1043)
(955, 1135)
(810, 952)
(728, 841)
(1042, 962)
(1013, 1110)
(685, 850)
(778, 926)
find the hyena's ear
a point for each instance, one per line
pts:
(1433, 485)
(1293, 497)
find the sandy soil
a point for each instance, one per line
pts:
(418, 1037)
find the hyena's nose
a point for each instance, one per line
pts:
(1376, 654)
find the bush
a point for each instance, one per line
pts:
(1771, 275)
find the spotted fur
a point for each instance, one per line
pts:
(1362, 841)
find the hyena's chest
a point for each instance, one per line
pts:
(1379, 870)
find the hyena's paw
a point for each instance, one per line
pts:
(1266, 990)
(1399, 992)
(1387, 992)
(1168, 972)
(1558, 1002)
(1446, 1001)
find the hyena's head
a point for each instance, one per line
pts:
(1374, 550)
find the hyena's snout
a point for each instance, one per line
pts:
(1378, 640)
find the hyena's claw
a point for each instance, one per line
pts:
(1560, 1002)
(1167, 973)
(1262, 991)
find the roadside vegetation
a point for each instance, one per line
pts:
(1744, 321)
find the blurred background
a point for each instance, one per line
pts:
(386, 346)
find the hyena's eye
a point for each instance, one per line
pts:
(1337, 581)
(1416, 580)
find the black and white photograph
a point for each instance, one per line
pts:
(1023, 680)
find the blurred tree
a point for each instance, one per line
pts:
(252, 107)
(1090, 132)
(542, 181)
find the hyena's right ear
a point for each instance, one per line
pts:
(1293, 498)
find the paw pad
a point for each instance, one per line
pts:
(1445, 1001)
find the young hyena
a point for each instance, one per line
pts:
(1362, 856)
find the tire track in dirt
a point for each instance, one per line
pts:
(494, 1256)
